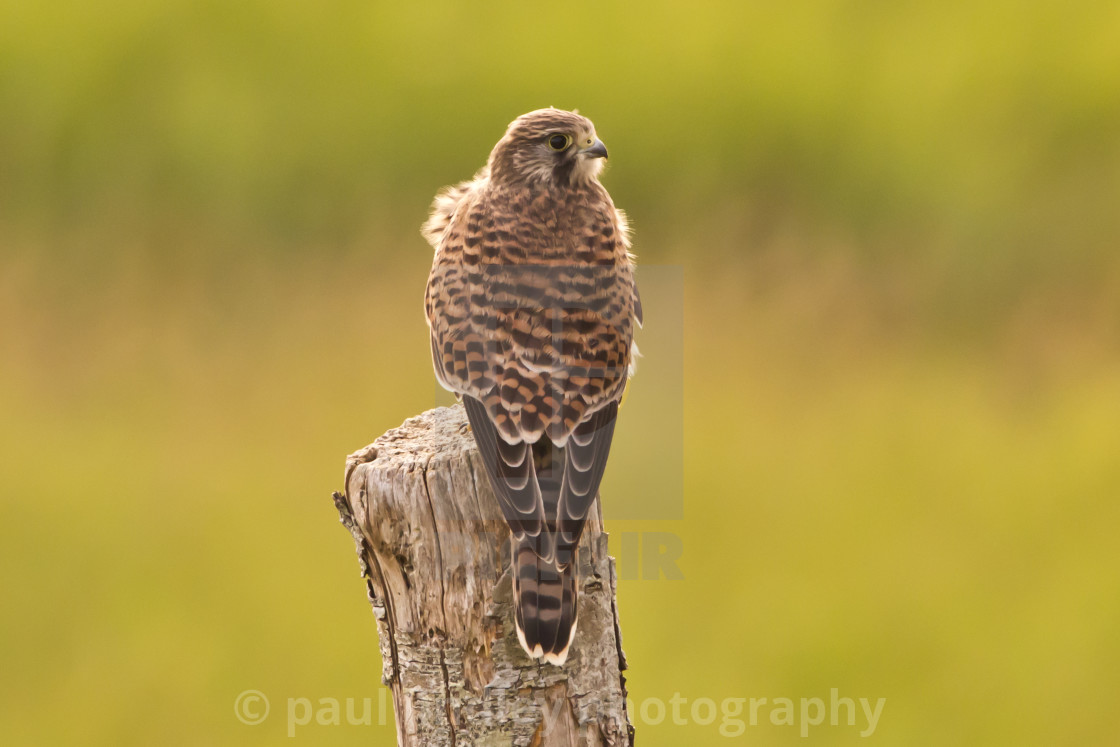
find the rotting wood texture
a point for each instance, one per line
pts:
(434, 551)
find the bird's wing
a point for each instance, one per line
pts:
(539, 347)
(585, 459)
(512, 475)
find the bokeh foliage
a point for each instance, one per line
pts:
(897, 225)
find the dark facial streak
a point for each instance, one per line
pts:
(566, 161)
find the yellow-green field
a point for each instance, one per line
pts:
(897, 353)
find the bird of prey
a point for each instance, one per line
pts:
(532, 307)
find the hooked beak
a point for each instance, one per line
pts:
(595, 150)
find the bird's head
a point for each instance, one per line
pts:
(548, 145)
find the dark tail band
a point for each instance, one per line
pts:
(545, 603)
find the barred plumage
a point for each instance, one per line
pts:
(532, 306)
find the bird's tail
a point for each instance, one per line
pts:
(545, 603)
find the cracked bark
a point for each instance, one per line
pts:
(434, 551)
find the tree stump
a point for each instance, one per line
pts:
(434, 551)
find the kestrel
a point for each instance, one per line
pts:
(532, 307)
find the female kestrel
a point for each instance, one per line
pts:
(532, 307)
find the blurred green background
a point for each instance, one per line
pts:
(897, 227)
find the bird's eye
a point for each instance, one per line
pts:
(559, 142)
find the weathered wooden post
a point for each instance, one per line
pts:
(434, 552)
